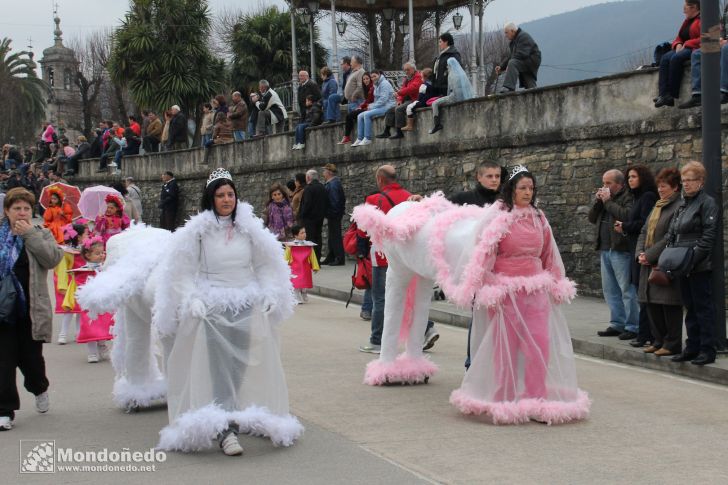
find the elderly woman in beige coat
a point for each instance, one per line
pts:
(664, 303)
(27, 253)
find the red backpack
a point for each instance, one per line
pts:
(362, 277)
(350, 239)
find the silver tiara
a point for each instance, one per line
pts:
(516, 170)
(219, 173)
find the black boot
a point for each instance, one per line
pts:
(695, 100)
(437, 126)
(385, 133)
(397, 134)
(665, 100)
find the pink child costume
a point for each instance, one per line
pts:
(302, 260)
(522, 361)
(97, 329)
(107, 225)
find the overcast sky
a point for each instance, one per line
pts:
(24, 19)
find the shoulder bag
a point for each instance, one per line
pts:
(676, 261)
(8, 296)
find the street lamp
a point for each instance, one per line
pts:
(457, 20)
(341, 26)
(478, 9)
(306, 16)
(313, 6)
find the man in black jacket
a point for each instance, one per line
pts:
(177, 130)
(522, 63)
(168, 200)
(306, 88)
(334, 214)
(447, 50)
(314, 203)
(489, 176)
(83, 150)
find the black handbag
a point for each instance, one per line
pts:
(676, 262)
(8, 295)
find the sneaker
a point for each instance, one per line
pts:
(695, 100)
(370, 348)
(345, 141)
(6, 424)
(356, 143)
(103, 351)
(301, 146)
(42, 402)
(365, 141)
(230, 445)
(61, 339)
(431, 337)
(92, 358)
(364, 315)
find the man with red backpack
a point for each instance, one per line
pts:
(390, 194)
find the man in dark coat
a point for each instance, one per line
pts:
(447, 50)
(168, 201)
(522, 63)
(314, 204)
(177, 130)
(334, 214)
(83, 150)
(306, 87)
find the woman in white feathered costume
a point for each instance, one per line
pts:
(223, 291)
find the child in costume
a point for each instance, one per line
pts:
(58, 214)
(64, 282)
(113, 221)
(302, 260)
(93, 332)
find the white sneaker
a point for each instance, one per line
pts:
(61, 339)
(356, 143)
(92, 358)
(431, 337)
(365, 141)
(6, 424)
(231, 446)
(301, 146)
(42, 402)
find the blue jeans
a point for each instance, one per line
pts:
(366, 304)
(353, 106)
(117, 158)
(379, 279)
(206, 139)
(619, 292)
(364, 122)
(239, 135)
(251, 127)
(301, 132)
(695, 60)
(332, 109)
(671, 72)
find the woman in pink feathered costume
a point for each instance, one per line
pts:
(523, 364)
(113, 221)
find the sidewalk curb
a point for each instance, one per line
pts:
(630, 356)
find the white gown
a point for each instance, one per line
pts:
(224, 369)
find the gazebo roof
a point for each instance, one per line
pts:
(363, 6)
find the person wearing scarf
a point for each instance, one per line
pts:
(664, 303)
(27, 253)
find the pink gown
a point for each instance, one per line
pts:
(96, 329)
(522, 361)
(303, 262)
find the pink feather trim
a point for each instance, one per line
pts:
(409, 310)
(521, 411)
(404, 369)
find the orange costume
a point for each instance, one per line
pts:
(55, 217)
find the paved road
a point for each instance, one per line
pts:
(645, 426)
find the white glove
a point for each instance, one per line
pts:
(196, 308)
(423, 88)
(268, 305)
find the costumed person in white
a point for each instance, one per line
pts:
(223, 291)
(127, 287)
(522, 361)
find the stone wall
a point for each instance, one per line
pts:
(568, 135)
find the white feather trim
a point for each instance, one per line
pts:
(196, 430)
(179, 268)
(127, 394)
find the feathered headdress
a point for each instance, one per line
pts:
(69, 232)
(88, 243)
(55, 190)
(113, 198)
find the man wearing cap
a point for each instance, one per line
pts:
(177, 130)
(334, 213)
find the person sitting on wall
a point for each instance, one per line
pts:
(272, 114)
(672, 63)
(522, 63)
(314, 117)
(397, 116)
(695, 62)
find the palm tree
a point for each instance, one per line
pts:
(23, 95)
(262, 48)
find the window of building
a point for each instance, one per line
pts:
(51, 77)
(67, 79)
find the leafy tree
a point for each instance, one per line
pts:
(161, 54)
(261, 45)
(23, 95)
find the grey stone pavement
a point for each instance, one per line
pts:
(646, 426)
